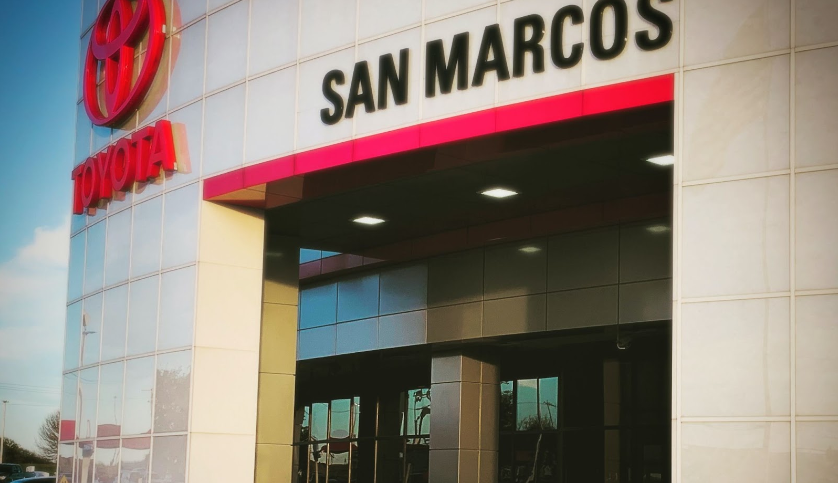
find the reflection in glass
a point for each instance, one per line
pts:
(77, 222)
(339, 428)
(107, 461)
(171, 399)
(305, 425)
(66, 452)
(142, 318)
(169, 460)
(91, 323)
(72, 337)
(180, 226)
(94, 264)
(88, 387)
(110, 400)
(416, 464)
(76, 269)
(318, 306)
(356, 417)
(537, 404)
(117, 253)
(317, 463)
(113, 323)
(319, 421)
(507, 406)
(139, 385)
(145, 239)
(135, 458)
(84, 462)
(417, 413)
(177, 307)
(339, 462)
(358, 298)
(69, 398)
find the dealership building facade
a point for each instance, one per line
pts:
(453, 241)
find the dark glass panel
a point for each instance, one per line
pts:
(507, 406)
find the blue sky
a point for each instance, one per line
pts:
(39, 58)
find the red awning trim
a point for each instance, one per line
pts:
(599, 100)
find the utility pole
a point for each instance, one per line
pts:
(3, 436)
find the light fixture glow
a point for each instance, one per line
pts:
(656, 229)
(368, 220)
(529, 249)
(499, 193)
(666, 160)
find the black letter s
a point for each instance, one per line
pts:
(659, 20)
(332, 96)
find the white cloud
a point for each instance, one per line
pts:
(33, 294)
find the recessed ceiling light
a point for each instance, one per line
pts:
(499, 193)
(657, 229)
(666, 160)
(529, 249)
(368, 220)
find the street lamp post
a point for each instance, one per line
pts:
(3, 434)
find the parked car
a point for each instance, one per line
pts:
(37, 479)
(10, 472)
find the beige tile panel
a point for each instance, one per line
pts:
(212, 456)
(488, 467)
(723, 29)
(278, 342)
(282, 271)
(817, 357)
(516, 315)
(736, 119)
(275, 420)
(274, 463)
(816, 106)
(231, 236)
(817, 451)
(816, 230)
(735, 452)
(582, 308)
(816, 20)
(447, 410)
(735, 358)
(489, 408)
(646, 301)
(224, 391)
(228, 307)
(444, 465)
(735, 238)
(456, 322)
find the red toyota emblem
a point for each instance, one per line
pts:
(116, 34)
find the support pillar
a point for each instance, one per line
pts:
(464, 419)
(277, 362)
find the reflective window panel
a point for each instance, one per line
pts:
(145, 239)
(318, 306)
(341, 414)
(187, 125)
(358, 298)
(169, 460)
(114, 323)
(72, 336)
(139, 387)
(142, 318)
(69, 399)
(88, 399)
(118, 249)
(177, 309)
(109, 421)
(171, 398)
(84, 462)
(66, 453)
(134, 457)
(107, 461)
(91, 329)
(417, 413)
(75, 277)
(94, 264)
(319, 421)
(180, 226)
